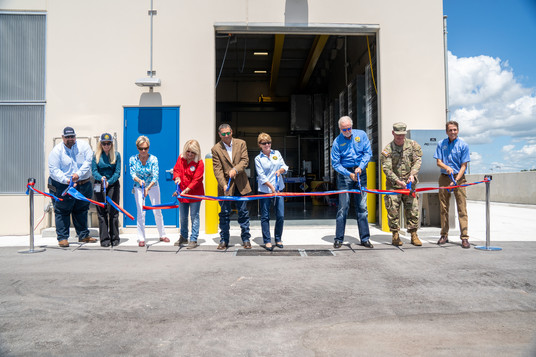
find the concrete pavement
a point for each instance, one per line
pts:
(414, 301)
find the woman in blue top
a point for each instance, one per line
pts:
(106, 167)
(270, 165)
(144, 172)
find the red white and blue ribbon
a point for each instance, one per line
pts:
(30, 186)
(112, 203)
(407, 191)
(169, 205)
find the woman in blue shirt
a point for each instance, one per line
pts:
(144, 172)
(270, 165)
(106, 167)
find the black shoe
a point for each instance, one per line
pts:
(105, 243)
(367, 244)
(337, 244)
(115, 243)
(279, 245)
(270, 248)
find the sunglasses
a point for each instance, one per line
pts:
(346, 129)
(108, 143)
(143, 149)
(70, 136)
(226, 134)
(266, 143)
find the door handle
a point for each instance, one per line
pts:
(169, 175)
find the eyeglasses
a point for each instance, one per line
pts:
(266, 143)
(107, 143)
(70, 136)
(226, 134)
(143, 149)
(346, 129)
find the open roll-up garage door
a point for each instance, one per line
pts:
(295, 83)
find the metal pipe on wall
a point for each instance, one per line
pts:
(446, 60)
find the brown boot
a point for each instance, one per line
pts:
(415, 239)
(396, 240)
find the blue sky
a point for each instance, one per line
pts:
(492, 81)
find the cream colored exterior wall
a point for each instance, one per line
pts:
(97, 49)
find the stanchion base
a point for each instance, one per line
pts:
(483, 247)
(30, 251)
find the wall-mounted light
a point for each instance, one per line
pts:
(260, 53)
(260, 72)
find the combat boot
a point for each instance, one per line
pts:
(415, 239)
(396, 240)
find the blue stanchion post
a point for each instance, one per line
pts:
(487, 246)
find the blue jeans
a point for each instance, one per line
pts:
(70, 206)
(346, 183)
(193, 207)
(243, 219)
(279, 218)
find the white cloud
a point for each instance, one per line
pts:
(508, 148)
(487, 101)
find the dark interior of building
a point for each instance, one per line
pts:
(295, 88)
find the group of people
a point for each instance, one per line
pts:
(73, 163)
(350, 154)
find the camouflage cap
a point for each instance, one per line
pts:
(399, 128)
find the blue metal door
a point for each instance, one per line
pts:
(161, 126)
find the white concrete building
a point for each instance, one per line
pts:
(71, 63)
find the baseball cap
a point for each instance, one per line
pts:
(106, 137)
(68, 131)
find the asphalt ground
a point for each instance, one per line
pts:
(164, 301)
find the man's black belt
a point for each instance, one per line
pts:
(352, 169)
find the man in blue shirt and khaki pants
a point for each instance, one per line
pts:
(452, 155)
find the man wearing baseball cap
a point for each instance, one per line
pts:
(71, 160)
(401, 161)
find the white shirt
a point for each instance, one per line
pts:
(64, 162)
(229, 150)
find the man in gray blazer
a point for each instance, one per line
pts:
(230, 159)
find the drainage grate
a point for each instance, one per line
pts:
(263, 252)
(284, 253)
(319, 253)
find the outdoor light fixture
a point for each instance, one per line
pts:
(260, 72)
(260, 53)
(148, 82)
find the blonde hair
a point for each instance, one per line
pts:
(98, 153)
(193, 146)
(263, 137)
(142, 139)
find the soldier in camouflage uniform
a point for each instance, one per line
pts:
(401, 161)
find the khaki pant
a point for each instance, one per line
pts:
(461, 203)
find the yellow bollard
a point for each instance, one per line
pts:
(384, 222)
(212, 208)
(371, 199)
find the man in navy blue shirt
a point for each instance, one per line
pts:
(350, 155)
(452, 155)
